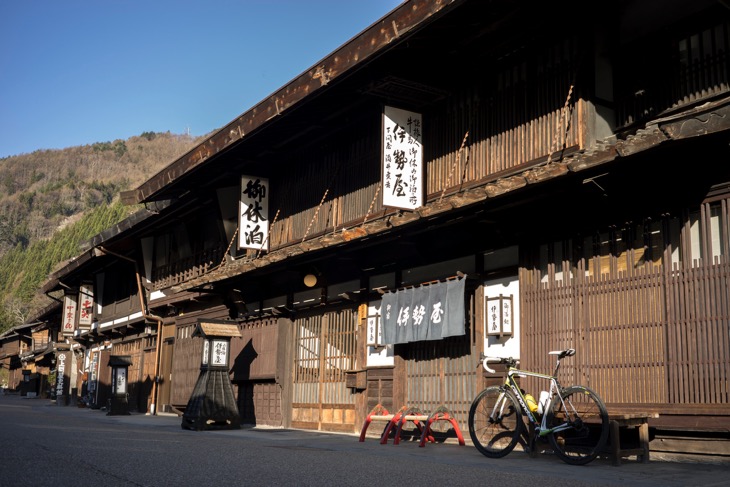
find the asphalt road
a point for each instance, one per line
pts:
(47, 445)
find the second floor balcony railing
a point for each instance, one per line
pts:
(187, 268)
(686, 68)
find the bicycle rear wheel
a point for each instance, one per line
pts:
(584, 411)
(495, 422)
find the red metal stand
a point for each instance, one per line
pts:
(421, 421)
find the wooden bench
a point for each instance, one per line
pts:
(639, 421)
(613, 449)
(422, 422)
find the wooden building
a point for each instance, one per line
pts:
(33, 357)
(13, 343)
(105, 314)
(568, 170)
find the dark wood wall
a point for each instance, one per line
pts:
(651, 334)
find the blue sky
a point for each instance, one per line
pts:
(75, 72)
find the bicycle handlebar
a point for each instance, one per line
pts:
(485, 359)
(511, 362)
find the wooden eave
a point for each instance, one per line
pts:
(39, 327)
(11, 333)
(54, 282)
(45, 312)
(51, 347)
(129, 225)
(122, 231)
(17, 331)
(120, 361)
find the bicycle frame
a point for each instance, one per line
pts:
(541, 428)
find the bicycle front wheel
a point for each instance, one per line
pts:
(495, 422)
(586, 418)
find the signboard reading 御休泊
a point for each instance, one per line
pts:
(253, 213)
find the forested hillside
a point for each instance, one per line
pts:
(53, 200)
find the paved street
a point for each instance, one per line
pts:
(47, 445)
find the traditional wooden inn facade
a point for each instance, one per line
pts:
(33, 356)
(552, 179)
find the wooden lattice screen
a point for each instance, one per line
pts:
(442, 373)
(325, 351)
(652, 337)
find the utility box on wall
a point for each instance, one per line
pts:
(356, 379)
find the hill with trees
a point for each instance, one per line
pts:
(51, 201)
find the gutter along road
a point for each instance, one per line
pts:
(47, 445)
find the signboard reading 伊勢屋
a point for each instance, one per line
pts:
(402, 175)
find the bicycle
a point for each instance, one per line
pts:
(574, 418)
